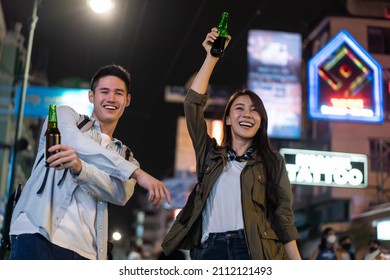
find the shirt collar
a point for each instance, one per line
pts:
(96, 124)
(231, 154)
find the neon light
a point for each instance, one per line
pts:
(347, 103)
(330, 80)
(345, 112)
(357, 85)
(335, 59)
(344, 70)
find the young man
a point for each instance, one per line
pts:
(62, 211)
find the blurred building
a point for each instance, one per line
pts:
(341, 206)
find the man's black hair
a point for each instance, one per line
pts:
(111, 70)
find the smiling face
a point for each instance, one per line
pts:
(110, 98)
(243, 118)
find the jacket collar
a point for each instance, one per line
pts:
(231, 154)
(223, 152)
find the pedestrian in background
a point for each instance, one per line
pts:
(375, 251)
(345, 249)
(326, 250)
(136, 252)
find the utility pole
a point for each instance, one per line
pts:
(19, 121)
(18, 131)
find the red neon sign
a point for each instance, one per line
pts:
(347, 103)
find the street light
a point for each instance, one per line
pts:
(117, 236)
(101, 6)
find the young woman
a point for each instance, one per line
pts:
(242, 209)
(326, 250)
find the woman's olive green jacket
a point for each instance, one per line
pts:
(265, 236)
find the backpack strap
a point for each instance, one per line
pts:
(84, 123)
(126, 153)
(5, 244)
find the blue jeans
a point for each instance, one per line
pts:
(229, 245)
(37, 247)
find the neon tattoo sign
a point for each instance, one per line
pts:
(321, 168)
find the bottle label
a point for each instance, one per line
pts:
(218, 47)
(51, 140)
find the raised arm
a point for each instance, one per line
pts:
(196, 99)
(202, 78)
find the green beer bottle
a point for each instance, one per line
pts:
(53, 135)
(218, 47)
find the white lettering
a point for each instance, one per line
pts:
(355, 177)
(339, 111)
(324, 169)
(292, 170)
(304, 175)
(340, 176)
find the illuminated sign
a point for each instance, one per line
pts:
(39, 98)
(318, 168)
(383, 229)
(274, 63)
(345, 83)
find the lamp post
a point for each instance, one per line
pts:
(22, 99)
(12, 162)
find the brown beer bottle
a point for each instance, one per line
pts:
(53, 135)
(218, 47)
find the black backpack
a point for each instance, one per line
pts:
(5, 240)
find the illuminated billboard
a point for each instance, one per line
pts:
(39, 98)
(345, 83)
(332, 169)
(274, 65)
(383, 229)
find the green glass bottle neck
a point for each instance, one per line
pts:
(52, 120)
(222, 27)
